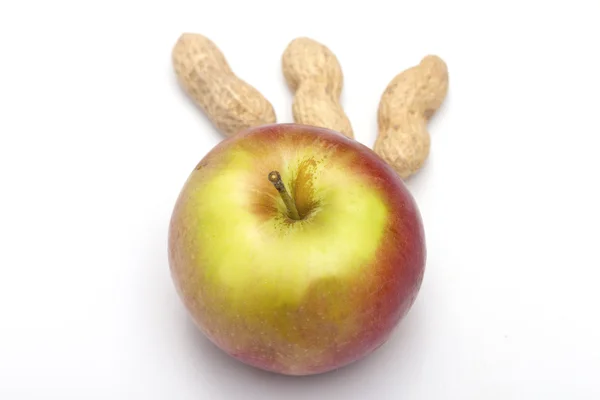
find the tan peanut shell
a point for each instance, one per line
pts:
(406, 106)
(230, 103)
(315, 76)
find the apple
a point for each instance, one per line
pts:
(295, 249)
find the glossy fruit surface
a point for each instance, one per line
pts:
(296, 296)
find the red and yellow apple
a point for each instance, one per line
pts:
(296, 291)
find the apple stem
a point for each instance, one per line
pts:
(275, 179)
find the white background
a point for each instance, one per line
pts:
(96, 140)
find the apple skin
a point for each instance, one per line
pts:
(296, 297)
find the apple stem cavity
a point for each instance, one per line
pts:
(275, 179)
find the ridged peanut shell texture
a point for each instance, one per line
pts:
(406, 106)
(314, 74)
(230, 103)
